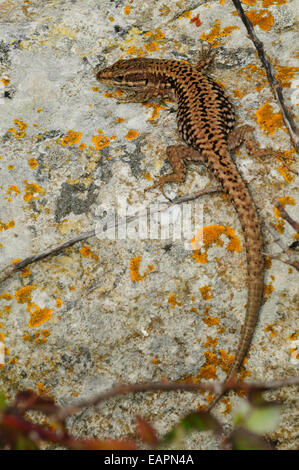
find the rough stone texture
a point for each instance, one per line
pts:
(110, 329)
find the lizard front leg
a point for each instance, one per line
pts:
(177, 155)
(244, 134)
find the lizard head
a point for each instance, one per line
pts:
(125, 74)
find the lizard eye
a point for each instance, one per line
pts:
(119, 78)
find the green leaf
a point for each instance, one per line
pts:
(262, 420)
(242, 439)
(190, 423)
(2, 401)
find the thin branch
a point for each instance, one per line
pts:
(276, 88)
(287, 217)
(119, 390)
(8, 271)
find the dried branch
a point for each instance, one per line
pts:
(276, 88)
(287, 217)
(119, 390)
(9, 270)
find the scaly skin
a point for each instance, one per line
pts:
(205, 120)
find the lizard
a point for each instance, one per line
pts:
(206, 123)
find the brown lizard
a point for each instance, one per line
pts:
(206, 122)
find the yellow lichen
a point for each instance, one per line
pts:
(268, 121)
(134, 270)
(262, 18)
(71, 138)
(32, 163)
(23, 295)
(215, 34)
(132, 134)
(101, 141)
(13, 188)
(173, 301)
(39, 316)
(210, 234)
(21, 131)
(30, 190)
(205, 292)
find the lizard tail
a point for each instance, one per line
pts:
(234, 186)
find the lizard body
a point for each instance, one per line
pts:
(205, 121)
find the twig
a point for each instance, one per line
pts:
(287, 217)
(288, 119)
(294, 264)
(173, 386)
(6, 272)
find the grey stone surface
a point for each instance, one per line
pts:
(110, 329)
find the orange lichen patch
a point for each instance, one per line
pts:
(205, 292)
(136, 51)
(39, 316)
(41, 337)
(283, 170)
(228, 406)
(285, 75)
(283, 201)
(156, 110)
(131, 135)
(268, 262)
(154, 360)
(71, 138)
(294, 336)
(270, 328)
(211, 342)
(119, 119)
(262, 18)
(250, 2)
(225, 360)
(96, 88)
(150, 268)
(6, 296)
(87, 252)
(16, 260)
(134, 270)
(156, 35)
(196, 20)
(32, 163)
(268, 289)
(268, 3)
(216, 33)
(173, 302)
(147, 176)
(185, 14)
(7, 225)
(279, 226)
(82, 146)
(39, 110)
(111, 18)
(101, 141)
(268, 121)
(26, 272)
(234, 244)
(21, 131)
(127, 10)
(13, 188)
(211, 321)
(208, 372)
(210, 234)
(23, 295)
(5, 81)
(238, 93)
(30, 190)
(58, 302)
(152, 46)
(200, 257)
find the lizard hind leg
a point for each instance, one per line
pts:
(177, 155)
